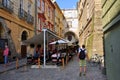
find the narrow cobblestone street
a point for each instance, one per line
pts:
(70, 72)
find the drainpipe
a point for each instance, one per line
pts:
(35, 17)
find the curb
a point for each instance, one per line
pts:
(11, 69)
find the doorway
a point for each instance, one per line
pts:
(24, 47)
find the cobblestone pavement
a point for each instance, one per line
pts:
(70, 72)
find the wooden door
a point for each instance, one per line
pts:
(23, 51)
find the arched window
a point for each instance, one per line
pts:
(24, 35)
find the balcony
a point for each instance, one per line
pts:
(7, 5)
(22, 14)
(30, 19)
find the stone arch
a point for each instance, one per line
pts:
(74, 36)
(24, 35)
(20, 35)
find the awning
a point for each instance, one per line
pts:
(39, 38)
(43, 38)
(61, 41)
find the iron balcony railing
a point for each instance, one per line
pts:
(30, 18)
(7, 5)
(22, 14)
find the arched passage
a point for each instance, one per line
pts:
(71, 36)
(24, 36)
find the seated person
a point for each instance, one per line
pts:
(56, 57)
(36, 55)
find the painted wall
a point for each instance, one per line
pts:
(111, 27)
(112, 52)
(111, 8)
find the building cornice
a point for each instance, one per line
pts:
(110, 25)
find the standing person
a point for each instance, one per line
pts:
(5, 54)
(82, 55)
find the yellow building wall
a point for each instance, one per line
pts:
(16, 25)
(59, 20)
(110, 10)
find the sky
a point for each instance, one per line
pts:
(67, 4)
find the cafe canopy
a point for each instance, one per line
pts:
(43, 38)
(60, 41)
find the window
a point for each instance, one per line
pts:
(70, 23)
(51, 14)
(88, 12)
(21, 8)
(48, 11)
(6, 3)
(38, 3)
(29, 7)
(21, 4)
(39, 25)
(42, 6)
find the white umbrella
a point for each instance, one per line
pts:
(60, 42)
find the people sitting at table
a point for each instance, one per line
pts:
(56, 57)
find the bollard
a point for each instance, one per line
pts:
(38, 62)
(16, 63)
(63, 64)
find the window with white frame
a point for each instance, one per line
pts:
(70, 23)
(29, 7)
(88, 12)
(38, 3)
(39, 26)
(42, 6)
(49, 12)
(6, 3)
(21, 4)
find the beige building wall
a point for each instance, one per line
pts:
(71, 16)
(17, 25)
(90, 26)
(59, 21)
(111, 28)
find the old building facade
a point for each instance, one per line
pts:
(111, 28)
(60, 21)
(16, 24)
(45, 17)
(71, 32)
(90, 26)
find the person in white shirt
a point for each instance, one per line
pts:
(82, 55)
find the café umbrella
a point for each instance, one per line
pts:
(60, 42)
